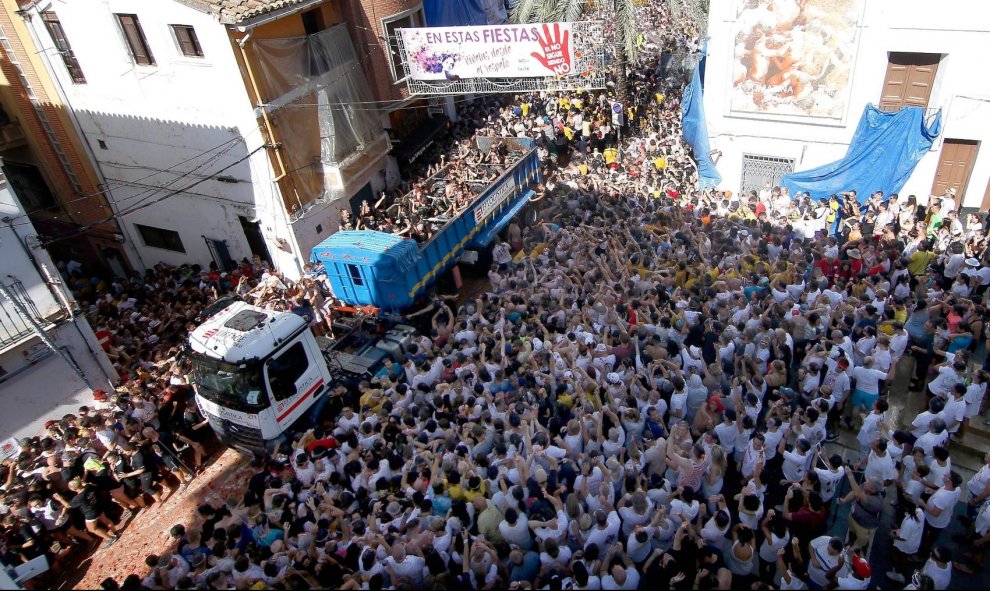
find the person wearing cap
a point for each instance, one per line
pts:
(859, 574)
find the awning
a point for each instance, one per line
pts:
(419, 140)
(486, 238)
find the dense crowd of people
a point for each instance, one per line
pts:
(419, 210)
(642, 399)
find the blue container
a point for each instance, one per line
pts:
(366, 267)
(370, 268)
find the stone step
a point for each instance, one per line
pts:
(974, 444)
(976, 426)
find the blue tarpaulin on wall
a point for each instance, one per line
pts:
(454, 13)
(881, 156)
(696, 130)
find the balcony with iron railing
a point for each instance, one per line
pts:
(14, 327)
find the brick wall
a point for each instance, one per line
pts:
(81, 211)
(364, 24)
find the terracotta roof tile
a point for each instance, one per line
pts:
(232, 12)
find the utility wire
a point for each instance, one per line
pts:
(138, 207)
(104, 191)
(150, 191)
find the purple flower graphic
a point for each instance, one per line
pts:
(434, 63)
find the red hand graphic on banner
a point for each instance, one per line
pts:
(556, 50)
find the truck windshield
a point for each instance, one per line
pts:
(237, 387)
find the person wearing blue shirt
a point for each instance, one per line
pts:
(523, 566)
(265, 535)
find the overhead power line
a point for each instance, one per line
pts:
(138, 207)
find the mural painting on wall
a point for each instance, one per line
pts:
(794, 57)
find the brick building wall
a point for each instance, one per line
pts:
(81, 210)
(364, 22)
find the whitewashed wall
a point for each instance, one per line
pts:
(959, 29)
(156, 117)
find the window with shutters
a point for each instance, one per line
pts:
(136, 41)
(185, 37)
(62, 45)
(909, 80)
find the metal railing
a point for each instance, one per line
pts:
(14, 327)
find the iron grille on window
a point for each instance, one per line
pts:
(763, 172)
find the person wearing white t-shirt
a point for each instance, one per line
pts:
(867, 383)
(830, 476)
(975, 393)
(939, 568)
(606, 530)
(907, 541)
(879, 464)
(858, 576)
(978, 487)
(826, 559)
(405, 567)
(515, 529)
(618, 577)
(795, 460)
(870, 430)
(938, 509)
(955, 408)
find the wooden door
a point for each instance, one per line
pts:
(955, 164)
(986, 198)
(909, 80)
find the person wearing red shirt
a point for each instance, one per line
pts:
(828, 265)
(855, 262)
(808, 521)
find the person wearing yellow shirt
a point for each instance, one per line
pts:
(659, 97)
(525, 108)
(372, 399)
(583, 168)
(900, 313)
(611, 155)
(454, 488)
(920, 260)
(568, 133)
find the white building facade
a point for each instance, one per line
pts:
(168, 117)
(786, 83)
(37, 383)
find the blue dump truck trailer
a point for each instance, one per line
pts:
(389, 272)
